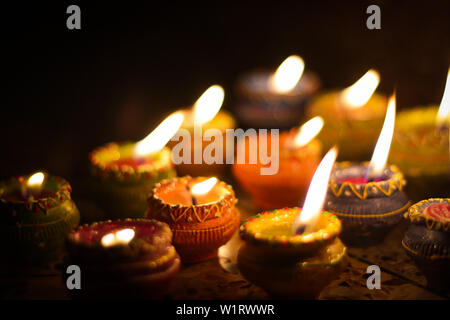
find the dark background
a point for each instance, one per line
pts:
(68, 91)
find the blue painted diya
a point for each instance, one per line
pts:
(368, 209)
(427, 240)
(260, 107)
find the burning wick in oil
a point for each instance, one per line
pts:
(443, 116)
(33, 187)
(307, 219)
(381, 151)
(119, 237)
(201, 188)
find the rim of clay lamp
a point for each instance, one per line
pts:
(394, 181)
(58, 188)
(249, 230)
(416, 214)
(179, 213)
(102, 156)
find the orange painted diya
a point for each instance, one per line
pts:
(289, 185)
(201, 225)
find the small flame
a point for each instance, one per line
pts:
(288, 74)
(159, 137)
(203, 187)
(381, 151)
(308, 131)
(316, 194)
(443, 116)
(360, 92)
(123, 236)
(36, 180)
(209, 104)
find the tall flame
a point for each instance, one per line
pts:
(203, 187)
(381, 151)
(288, 74)
(308, 131)
(360, 92)
(159, 137)
(443, 116)
(36, 180)
(315, 198)
(123, 236)
(209, 104)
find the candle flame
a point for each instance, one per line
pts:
(308, 131)
(317, 191)
(381, 151)
(288, 74)
(123, 236)
(203, 187)
(360, 92)
(159, 137)
(209, 104)
(443, 116)
(36, 180)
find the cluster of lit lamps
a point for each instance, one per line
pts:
(161, 220)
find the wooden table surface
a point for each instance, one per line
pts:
(220, 278)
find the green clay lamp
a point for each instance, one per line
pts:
(292, 252)
(356, 111)
(37, 213)
(126, 172)
(421, 148)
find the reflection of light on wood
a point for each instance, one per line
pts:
(227, 254)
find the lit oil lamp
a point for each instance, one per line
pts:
(299, 156)
(276, 99)
(126, 172)
(369, 197)
(132, 258)
(353, 117)
(201, 213)
(37, 213)
(427, 240)
(204, 116)
(293, 252)
(421, 148)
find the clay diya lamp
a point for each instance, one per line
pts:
(275, 100)
(201, 213)
(369, 197)
(131, 258)
(353, 117)
(297, 155)
(37, 212)
(294, 253)
(204, 126)
(125, 173)
(427, 240)
(421, 148)
(368, 209)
